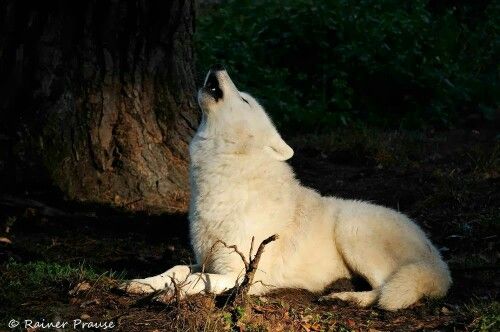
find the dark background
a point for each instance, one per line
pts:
(394, 64)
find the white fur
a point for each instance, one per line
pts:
(241, 187)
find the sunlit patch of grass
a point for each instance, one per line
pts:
(486, 316)
(40, 273)
(25, 283)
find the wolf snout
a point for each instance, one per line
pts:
(217, 86)
(212, 85)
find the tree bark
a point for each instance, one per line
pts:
(98, 99)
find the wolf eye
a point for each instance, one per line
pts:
(246, 101)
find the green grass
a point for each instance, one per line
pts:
(24, 287)
(487, 315)
(32, 275)
(35, 274)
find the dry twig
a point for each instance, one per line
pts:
(251, 268)
(240, 293)
(235, 248)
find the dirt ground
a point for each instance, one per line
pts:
(61, 261)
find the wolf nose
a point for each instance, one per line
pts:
(217, 67)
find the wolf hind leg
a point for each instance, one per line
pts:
(362, 299)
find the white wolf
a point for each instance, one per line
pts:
(242, 187)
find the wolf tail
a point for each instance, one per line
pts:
(413, 281)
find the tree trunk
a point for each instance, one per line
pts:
(98, 99)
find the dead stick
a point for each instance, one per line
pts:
(251, 267)
(177, 292)
(251, 248)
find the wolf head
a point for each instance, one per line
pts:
(237, 118)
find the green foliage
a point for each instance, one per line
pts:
(239, 312)
(21, 282)
(487, 316)
(36, 274)
(317, 64)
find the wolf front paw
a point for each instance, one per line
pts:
(175, 276)
(140, 286)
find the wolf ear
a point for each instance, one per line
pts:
(278, 149)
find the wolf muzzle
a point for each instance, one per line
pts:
(212, 85)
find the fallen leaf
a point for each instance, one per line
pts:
(315, 327)
(80, 287)
(446, 311)
(5, 240)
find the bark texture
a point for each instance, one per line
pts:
(98, 98)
